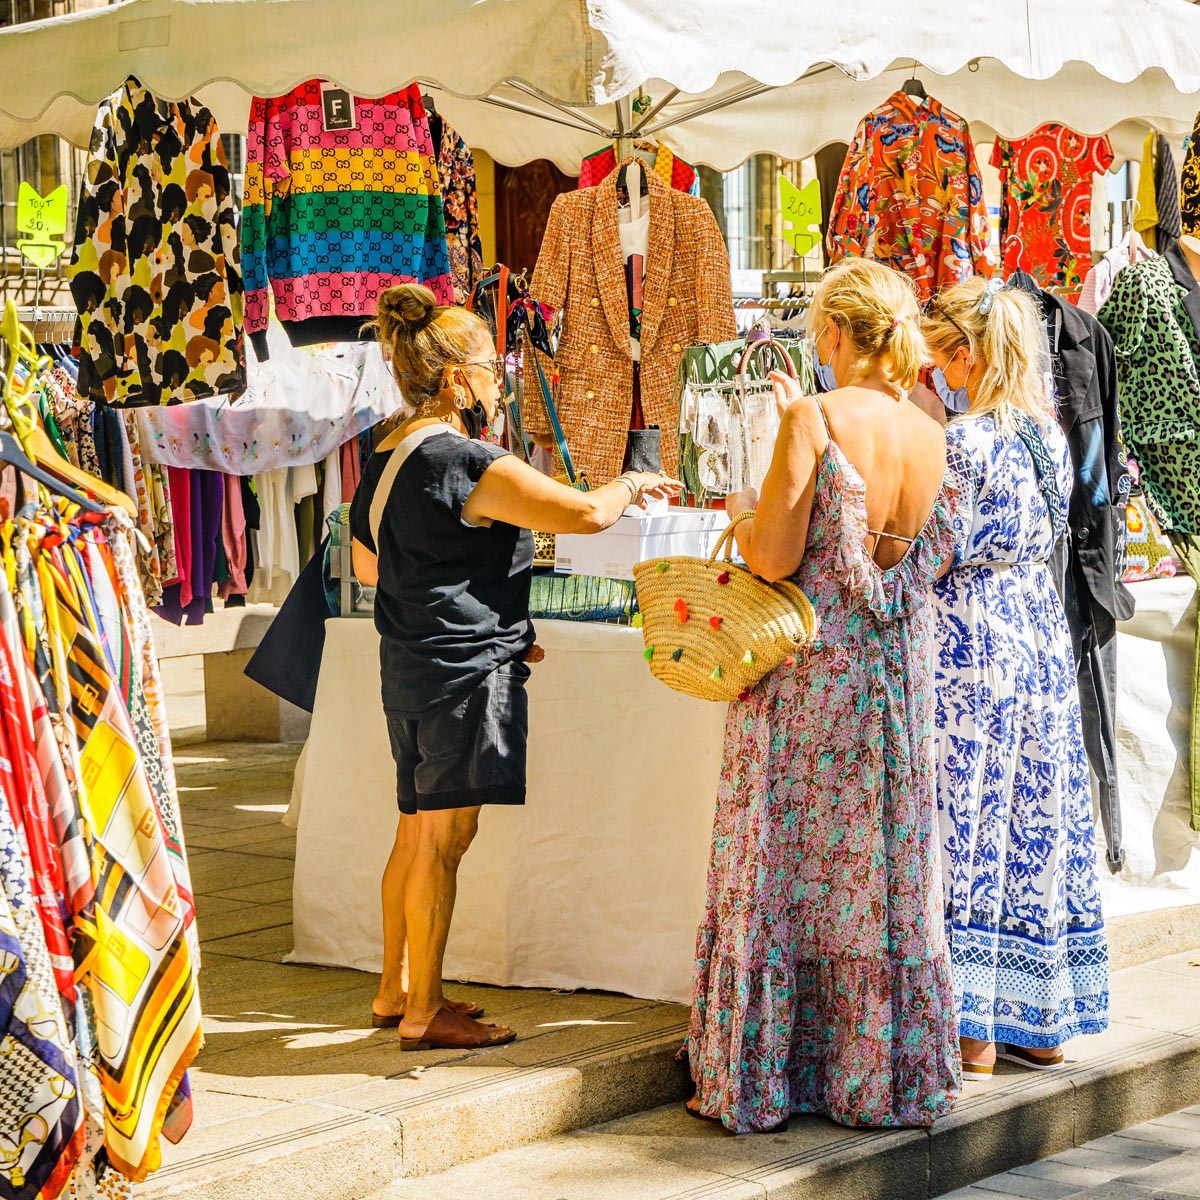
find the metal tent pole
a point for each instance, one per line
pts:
(624, 138)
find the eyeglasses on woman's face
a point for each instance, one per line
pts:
(496, 365)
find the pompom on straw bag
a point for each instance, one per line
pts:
(712, 628)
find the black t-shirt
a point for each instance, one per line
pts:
(452, 603)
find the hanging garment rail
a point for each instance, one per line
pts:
(772, 303)
(49, 324)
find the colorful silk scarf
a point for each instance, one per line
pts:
(130, 945)
(41, 1120)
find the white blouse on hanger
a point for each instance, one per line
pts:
(1099, 282)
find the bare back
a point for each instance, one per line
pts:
(900, 453)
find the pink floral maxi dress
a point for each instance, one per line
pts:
(822, 980)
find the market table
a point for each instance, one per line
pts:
(1154, 665)
(599, 880)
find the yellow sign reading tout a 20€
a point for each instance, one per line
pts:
(44, 220)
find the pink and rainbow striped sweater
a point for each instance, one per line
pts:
(330, 219)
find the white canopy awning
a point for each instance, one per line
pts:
(527, 79)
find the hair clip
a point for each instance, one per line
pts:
(994, 285)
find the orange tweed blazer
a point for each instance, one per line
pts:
(686, 298)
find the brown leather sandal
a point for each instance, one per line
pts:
(467, 1008)
(1035, 1062)
(976, 1070)
(450, 1030)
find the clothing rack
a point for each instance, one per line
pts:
(771, 303)
(49, 324)
(1128, 212)
(803, 277)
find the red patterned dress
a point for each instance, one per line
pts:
(1046, 221)
(822, 980)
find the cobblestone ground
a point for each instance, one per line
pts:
(1159, 1160)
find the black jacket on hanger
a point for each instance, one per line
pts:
(1087, 562)
(1085, 376)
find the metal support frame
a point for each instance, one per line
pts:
(627, 130)
(624, 134)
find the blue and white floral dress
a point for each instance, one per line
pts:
(1027, 939)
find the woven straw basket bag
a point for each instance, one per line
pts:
(712, 628)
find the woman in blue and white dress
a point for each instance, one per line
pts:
(1027, 939)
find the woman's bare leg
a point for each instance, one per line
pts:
(393, 992)
(442, 839)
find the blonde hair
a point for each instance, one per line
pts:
(425, 339)
(876, 308)
(1009, 339)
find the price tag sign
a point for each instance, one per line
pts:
(44, 220)
(337, 109)
(801, 208)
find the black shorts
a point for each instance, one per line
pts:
(468, 752)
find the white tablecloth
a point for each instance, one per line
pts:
(599, 880)
(1154, 699)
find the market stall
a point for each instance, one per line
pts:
(599, 880)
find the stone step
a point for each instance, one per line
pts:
(1147, 1064)
(296, 1094)
(334, 1110)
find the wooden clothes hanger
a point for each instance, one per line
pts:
(35, 441)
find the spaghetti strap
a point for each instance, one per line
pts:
(824, 418)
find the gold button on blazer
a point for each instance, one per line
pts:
(686, 299)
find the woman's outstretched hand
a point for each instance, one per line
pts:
(653, 486)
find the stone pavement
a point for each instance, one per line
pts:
(1156, 1160)
(296, 1094)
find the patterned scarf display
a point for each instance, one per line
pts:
(97, 941)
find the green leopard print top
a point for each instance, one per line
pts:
(1158, 348)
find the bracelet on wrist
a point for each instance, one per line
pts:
(634, 490)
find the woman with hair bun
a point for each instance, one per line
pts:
(822, 980)
(441, 526)
(1023, 915)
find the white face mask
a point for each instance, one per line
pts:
(496, 424)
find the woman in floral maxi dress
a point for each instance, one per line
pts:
(822, 980)
(1023, 915)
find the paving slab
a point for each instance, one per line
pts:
(297, 1094)
(1013, 1119)
(1155, 1160)
(220, 924)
